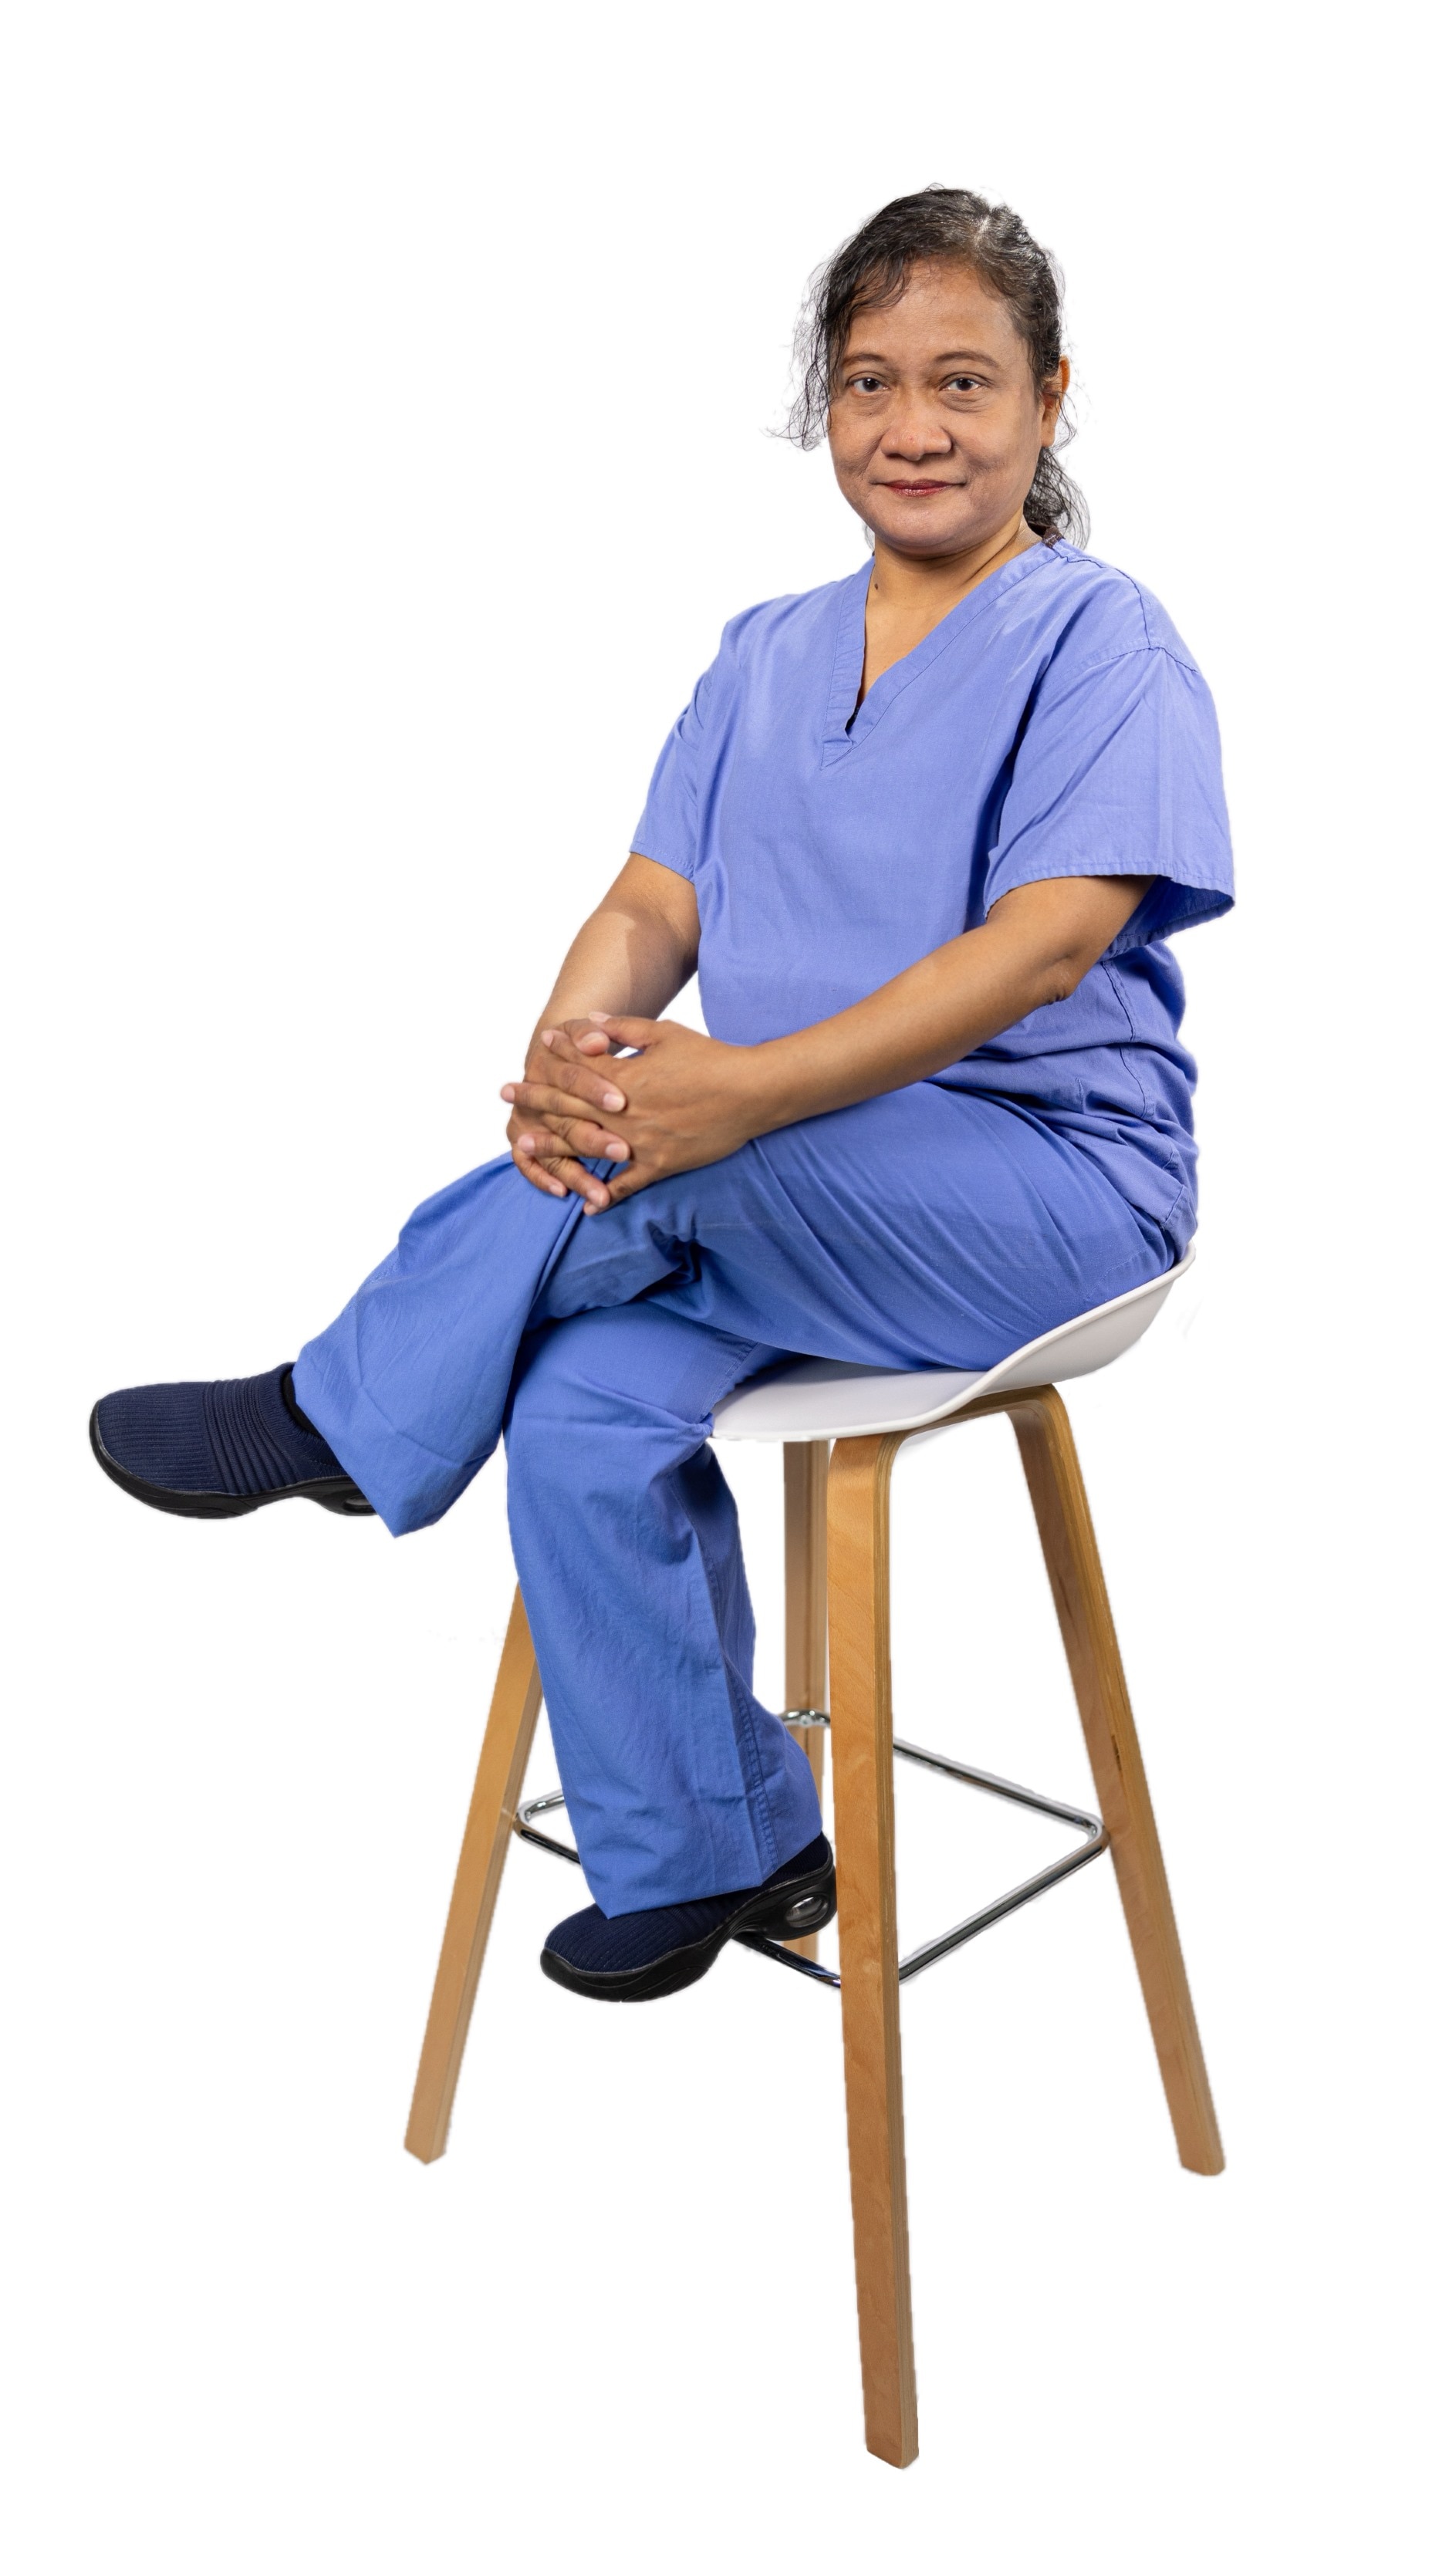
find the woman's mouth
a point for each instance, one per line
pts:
(918, 491)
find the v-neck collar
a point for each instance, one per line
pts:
(850, 650)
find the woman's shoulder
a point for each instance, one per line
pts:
(1097, 612)
(796, 616)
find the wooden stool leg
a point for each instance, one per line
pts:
(501, 1765)
(1054, 1478)
(860, 1725)
(807, 1464)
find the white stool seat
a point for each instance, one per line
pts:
(832, 1400)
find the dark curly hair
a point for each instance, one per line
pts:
(872, 268)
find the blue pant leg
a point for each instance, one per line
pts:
(924, 1229)
(409, 1384)
(678, 1782)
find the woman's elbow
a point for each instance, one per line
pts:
(1065, 926)
(1058, 976)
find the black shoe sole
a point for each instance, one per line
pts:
(334, 1493)
(787, 1913)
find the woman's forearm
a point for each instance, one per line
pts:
(634, 953)
(1034, 949)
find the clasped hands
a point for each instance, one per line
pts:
(678, 1101)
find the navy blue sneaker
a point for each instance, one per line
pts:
(634, 1957)
(213, 1451)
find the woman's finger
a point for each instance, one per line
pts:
(557, 1175)
(622, 1185)
(573, 1127)
(581, 1136)
(573, 1036)
(554, 1173)
(579, 1042)
(590, 1084)
(574, 1041)
(625, 1031)
(534, 1172)
(542, 1100)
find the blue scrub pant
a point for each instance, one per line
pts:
(926, 1229)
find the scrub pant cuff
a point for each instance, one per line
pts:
(409, 1487)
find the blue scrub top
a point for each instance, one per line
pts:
(1053, 725)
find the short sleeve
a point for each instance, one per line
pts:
(1118, 773)
(668, 828)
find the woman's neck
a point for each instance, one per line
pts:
(928, 586)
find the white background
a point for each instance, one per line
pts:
(384, 449)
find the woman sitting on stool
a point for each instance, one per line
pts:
(923, 834)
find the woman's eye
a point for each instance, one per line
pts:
(963, 384)
(866, 384)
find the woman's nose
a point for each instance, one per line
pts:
(916, 430)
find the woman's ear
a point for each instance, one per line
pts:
(1053, 395)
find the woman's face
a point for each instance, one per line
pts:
(937, 423)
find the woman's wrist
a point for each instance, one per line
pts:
(778, 1083)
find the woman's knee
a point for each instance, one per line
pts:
(623, 1368)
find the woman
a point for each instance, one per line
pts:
(923, 833)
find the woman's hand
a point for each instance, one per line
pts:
(684, 1099)
(564, 1102)
(690, 1100)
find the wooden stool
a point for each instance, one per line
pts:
(837, 1577)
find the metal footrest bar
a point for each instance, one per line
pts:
(1090, 1827)
(523, 1826)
